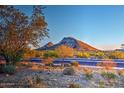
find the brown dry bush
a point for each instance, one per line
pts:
(121, 72)
(107, 65)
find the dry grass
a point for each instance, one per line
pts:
(107, 65)
(121, 72)
(87, 70)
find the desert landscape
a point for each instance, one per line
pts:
(33, 56)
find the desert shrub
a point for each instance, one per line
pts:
(108, 75)
(23, 64)
(107, 65)
(75, 64)
(74, 85)
(88, 76)
(32, 54)
(116, 55)
(88, 73)
(69, 71)
(35, 67)
(101, 84)
(121, 72)
(52, 54)
(100, 55)
(48, 61)
(29, 64)
(25, 82)
(9, 69)
(38, 80)
(49, 64)
(67, 65)
(83, 54)
(16, 59)
(31, 82)
(79, 54)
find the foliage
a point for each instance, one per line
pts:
(87, 70)
(88, 73)
(48, 61)
(27, 64)
(38, 80)
(64, 51)
(100, 55)
(116, 55)
(31, 53)
(107, 65)
(31, 82)
(74, 85)
(83, 54)
(69, 71)
(67, 65)
(49, 64)
(75, 63)
(108, 75)
(121, 72)
(52, 54)
(101, 84)
(18, 31)
(9, 69)
(88, 76)
(1, 68)
(34, 67)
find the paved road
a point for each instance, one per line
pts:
(89, 62)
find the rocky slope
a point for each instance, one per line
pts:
(71, 42)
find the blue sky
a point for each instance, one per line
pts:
(99, 26)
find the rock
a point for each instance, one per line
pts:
(69, 71)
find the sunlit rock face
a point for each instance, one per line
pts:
(70, 42)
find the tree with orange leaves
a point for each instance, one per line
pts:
(64, 51)
(18, 31)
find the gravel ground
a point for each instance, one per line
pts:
(56, 79)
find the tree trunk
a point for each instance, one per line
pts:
(7, 59)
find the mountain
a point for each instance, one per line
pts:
(71, 42)
(45, 47)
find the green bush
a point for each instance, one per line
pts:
(88, 76)
(108, 75)
(74, 85)
(38, 80)
(52, 54)
(69, 71)
(101, 84)
(75, 64)
(9, 69)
